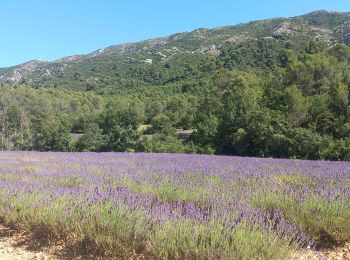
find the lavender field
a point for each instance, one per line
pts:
(172, 206)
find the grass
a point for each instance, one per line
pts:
(166, 191)
(101, 231)
(294, 180)
(187, 240)
(70, 182)
(323, 220)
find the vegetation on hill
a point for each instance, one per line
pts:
(259, 89)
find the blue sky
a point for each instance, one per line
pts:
(48, 30)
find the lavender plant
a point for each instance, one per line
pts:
(173, 206)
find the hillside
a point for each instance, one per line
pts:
(272, 88)
(176, 57)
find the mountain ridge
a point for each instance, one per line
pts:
(316, 12)
(79, 70)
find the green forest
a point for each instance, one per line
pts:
(263, 98)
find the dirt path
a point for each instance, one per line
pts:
(339, 253)
(14, 245)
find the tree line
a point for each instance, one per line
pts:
(267, 101)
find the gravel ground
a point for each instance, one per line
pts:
(15, 245)
(338, 253)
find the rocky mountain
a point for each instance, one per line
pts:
(169, 59)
